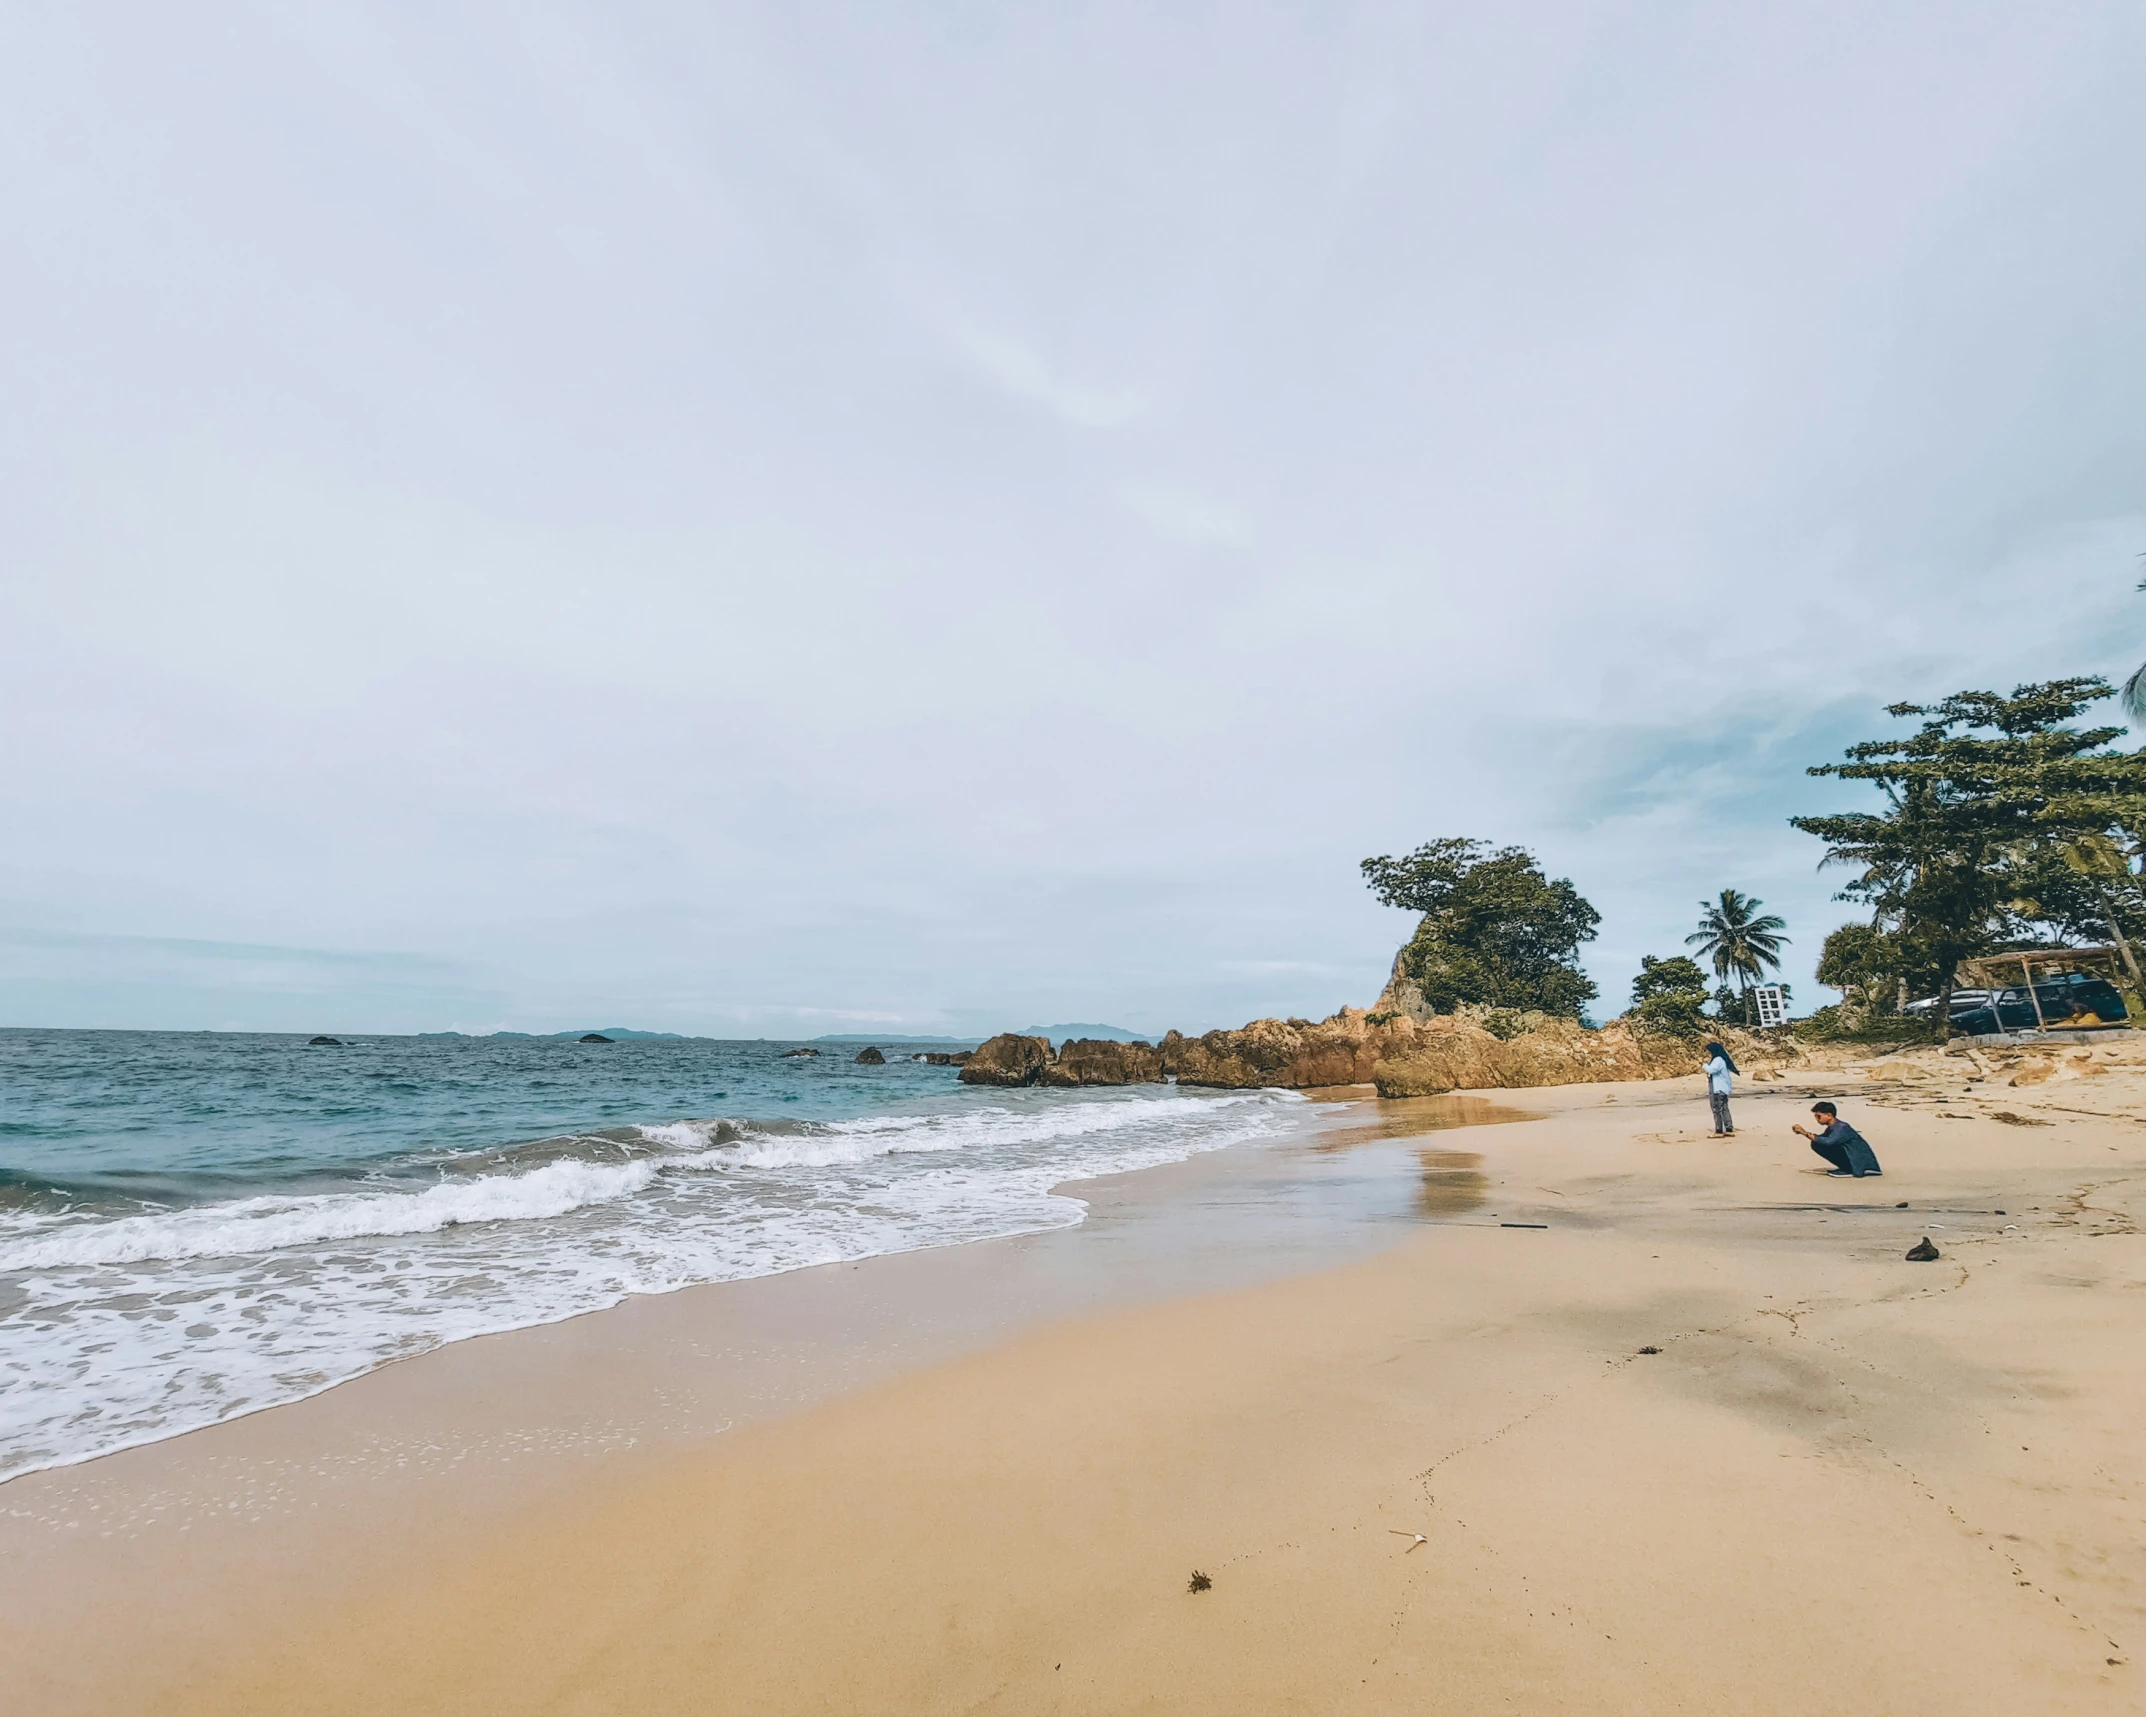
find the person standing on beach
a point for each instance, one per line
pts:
(1840, 1144)
(1720, 1081)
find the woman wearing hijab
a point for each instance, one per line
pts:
(1720, 1081)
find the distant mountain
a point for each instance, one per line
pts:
(611, 1031)
(1106, 1033)
(900, 1037)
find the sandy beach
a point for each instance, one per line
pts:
(1703, 1439)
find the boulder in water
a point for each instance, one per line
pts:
(870, 1057)
(594, 1037)
(1008, 1059)
(1098, 1061)
(329, 1042)
(800, 1054)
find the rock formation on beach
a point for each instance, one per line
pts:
(1009, 1059)
(1455, 1052)
(1101, 1061)
(1389, 1048)
(1013, 1059)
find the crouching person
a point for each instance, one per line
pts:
(1840, 1144)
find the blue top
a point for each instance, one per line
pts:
(1861, 1158)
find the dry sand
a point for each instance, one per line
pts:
(1846, 1482)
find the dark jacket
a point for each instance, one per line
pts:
(1860, 1158)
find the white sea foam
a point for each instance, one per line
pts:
(249, 1225)
(270, 1224)
(129, 1329)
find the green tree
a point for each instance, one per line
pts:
(2074, 891)
(1493, 929)
(1979, 805)
(1668, 996)
(1741, 941)
(1864, 962)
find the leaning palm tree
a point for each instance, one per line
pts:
(1737, 939)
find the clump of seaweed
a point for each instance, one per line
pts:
(1650, 1350)
(1199, 1582)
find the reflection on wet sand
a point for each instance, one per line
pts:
(1453, 1181)
(1405, 1117)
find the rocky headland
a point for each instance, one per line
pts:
(1393, 1049)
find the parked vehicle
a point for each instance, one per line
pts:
(1963, 1001)
(2056, 1002)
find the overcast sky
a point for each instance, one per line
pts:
(775, 519)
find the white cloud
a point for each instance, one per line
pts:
(719, 519)
(1183, 516)
(1022, 373)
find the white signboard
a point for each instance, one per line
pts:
(1773, 1006)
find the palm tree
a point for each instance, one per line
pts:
(1738, 940)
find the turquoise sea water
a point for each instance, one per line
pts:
(196, 1225)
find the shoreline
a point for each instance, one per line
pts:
(476, 1430)
(278, 1310)
(926, 1532)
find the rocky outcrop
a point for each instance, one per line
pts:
(1295, 1053)
(943, 1058)
(871, 1057)
(799, 1054)
(1402, 997)
(1455, 1052)
(1008, 1059)
(1094, 1061)
(1011, 1059)
(595, 1037)
(1402, 1056)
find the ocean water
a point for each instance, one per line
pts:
(198, 1225)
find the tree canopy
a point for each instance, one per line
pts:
(1861, 960)
(1669, 995)
(1981, 804)
(1494, 930)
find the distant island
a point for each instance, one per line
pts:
(898, 1037)
(616, 1033)
(1095, 1033)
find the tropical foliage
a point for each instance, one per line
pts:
(1669, 996)
(1494, 930)
(1862, 961)
(2002, 825)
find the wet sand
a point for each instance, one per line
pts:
(981, 1479)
